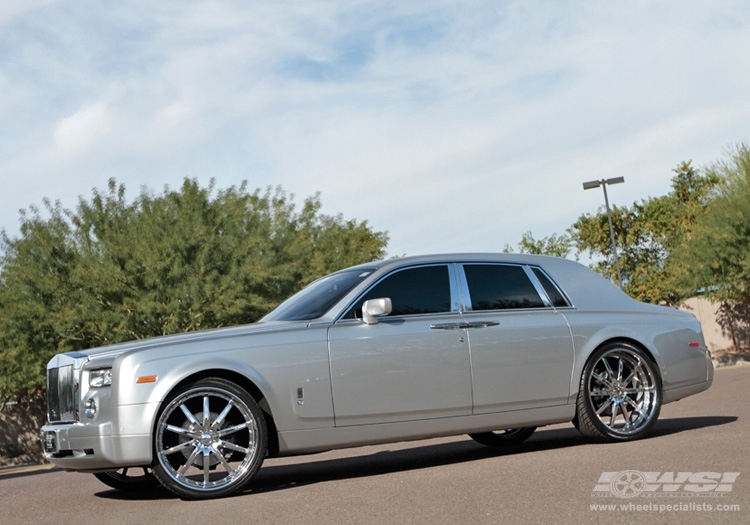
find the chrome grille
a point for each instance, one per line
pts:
(61, 395)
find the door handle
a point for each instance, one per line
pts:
(483, 324)
(463, 326)
(450, 326)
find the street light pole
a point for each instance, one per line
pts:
(603, 183)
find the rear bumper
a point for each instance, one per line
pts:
(676, 394)
(705, 370)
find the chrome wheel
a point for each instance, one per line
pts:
(209, 441)
(620, 394)
(128, 479)
(501, 438)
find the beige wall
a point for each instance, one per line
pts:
(705, 311)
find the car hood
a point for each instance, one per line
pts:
(115, 350)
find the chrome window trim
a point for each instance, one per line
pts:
(538, 286)
(534, 281)
(462, 285)
(458, 287)
(451, 285)
(552, 281)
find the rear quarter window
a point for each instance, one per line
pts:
(553, 292)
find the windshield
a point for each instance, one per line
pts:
(319, 296)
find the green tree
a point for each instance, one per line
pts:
(717, 256)
(647, 234)
(187, 259)
(555, 245)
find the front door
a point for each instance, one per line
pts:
(408, 366)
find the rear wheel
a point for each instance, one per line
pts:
(129, 479)
(210, 440)
(502, 438)
(620, 394)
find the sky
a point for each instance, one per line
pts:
(454, 126)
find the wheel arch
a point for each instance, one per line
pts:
(629, 340)
(241, 381)
(648, 350)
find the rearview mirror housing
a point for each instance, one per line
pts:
(374, 308)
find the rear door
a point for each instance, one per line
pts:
(521, 347)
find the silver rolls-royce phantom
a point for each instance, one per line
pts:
(490, 345)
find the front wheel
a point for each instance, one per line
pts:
(210, 440)
(503, 438)
(129, 479)
(620, 394)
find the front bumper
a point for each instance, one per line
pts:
(77, 446)
(121, 438)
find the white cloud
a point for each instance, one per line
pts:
(81, 131)
(453, 125)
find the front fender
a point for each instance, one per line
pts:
(293, 378)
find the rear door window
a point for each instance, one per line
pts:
(500, 287)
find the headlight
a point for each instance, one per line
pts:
(100, 378)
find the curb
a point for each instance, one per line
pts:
(24, 469)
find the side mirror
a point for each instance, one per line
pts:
(374, 308)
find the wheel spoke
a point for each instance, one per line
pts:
(206, 414)
(206, 468)
(636, 407)
(224, 463)
(231, 430)
(604, 406)
(635, 370)
(128, 478)
(184, 468)
(625, 414)
(602, 379)
(220, 419)
(182, 431)
(189, 415)
(613, 418)
(232, 446)
(599, 393)
(502, 438)
(177, 448)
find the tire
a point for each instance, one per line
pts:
(503, 438)
(129, 479)
(209, 441)
(620, 395)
